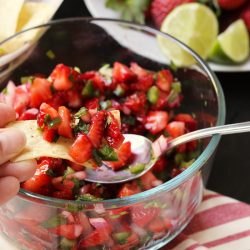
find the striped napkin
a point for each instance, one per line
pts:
(221, 223)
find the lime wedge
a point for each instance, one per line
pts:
(232, 45)
(195, 25)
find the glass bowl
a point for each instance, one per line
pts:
(32, 221)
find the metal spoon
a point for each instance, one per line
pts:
(147, 152)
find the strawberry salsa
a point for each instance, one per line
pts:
(80, 106)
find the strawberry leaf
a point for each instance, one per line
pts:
(130, 10)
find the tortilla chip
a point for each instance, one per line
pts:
(37, 147)
(9, 13)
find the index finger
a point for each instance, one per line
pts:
(7, 114)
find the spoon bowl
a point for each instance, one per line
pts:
(146, 152)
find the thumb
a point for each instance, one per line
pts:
(12, 142)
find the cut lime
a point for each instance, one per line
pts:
(195, 25)
(232, 45)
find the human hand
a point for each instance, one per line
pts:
(12, 142)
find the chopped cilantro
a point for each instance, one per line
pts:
(88, 90)
(50, 172)
(107, 153)
(81, 126)
(54, 122)
(54, 221)
(82, 111)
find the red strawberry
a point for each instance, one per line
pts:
(40, 91)
(164, 80)
(40, 182)
(95, 238)
(61, 77)
(160, 165)
(70, 232)
(124, 153)
(245, 15)
(143, 83)
(141, 216)
(176, 129)
(190, 122)
(121, 73)
(156, 121)
(64, 128)
(149, 181)
(81, 150)
(230, 4)
(161, 8)
(135, 103)
(113, 134)
(157, 226)
(97, 128)
(129, 189)
(138, 70)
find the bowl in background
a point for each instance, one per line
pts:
(88, 43)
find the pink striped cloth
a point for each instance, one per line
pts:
(221, 223)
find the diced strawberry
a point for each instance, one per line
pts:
(40, 182)
(97, 126)
(71, 231)
(49, 134)
(160, 165)
(113, 134)
(176, 128)
(156, 121)
(63, 194)
(162, 101)
(164, 80)
(60, 77)
(95, 238)
(47, 109)
(74, 99)
(88, 75)
(159, 9)
(40, 91)
(143, 83)
(29, 114)
(64, 128)
(121, 73)
(129, 189)
(138, 70)
(149, 181)
(92, 103)
(135, 103)
(81, 150)
(124, 153)
(190, 122)
(157, 226)
(141, 216)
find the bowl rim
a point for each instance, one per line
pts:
(172, 183)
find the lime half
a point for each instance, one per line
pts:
(195, 25)
(232, 45)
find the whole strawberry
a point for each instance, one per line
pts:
(159, 9)
(231, 4)
(245, 15)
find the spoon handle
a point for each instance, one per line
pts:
(234, 128)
